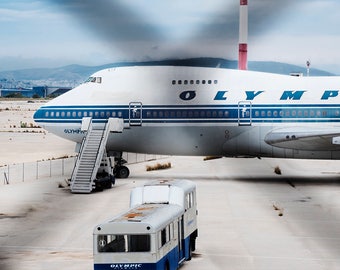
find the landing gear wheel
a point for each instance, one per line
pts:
(123, 172)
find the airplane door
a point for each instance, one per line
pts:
(135, 113)
(244, 113)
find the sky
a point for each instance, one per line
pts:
(53, 33)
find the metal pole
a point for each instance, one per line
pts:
(62, 166)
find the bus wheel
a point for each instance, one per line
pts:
(190, 251)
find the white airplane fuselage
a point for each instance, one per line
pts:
(204, 111)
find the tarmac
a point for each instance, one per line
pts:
(249, 216)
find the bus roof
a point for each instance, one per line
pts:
(162, 191)
(141, 219)
(185, 185)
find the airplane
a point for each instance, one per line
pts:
(181, 110)
(176, 110)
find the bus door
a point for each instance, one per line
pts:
(181, 245)
(244, 113)
(135, 113)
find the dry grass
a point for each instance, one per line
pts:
(211, 157)
(158, 166)
(279, 209)
(277, 170)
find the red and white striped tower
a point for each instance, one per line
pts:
(243, 35)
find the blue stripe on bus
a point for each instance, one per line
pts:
(172, 258)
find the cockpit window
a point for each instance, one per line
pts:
(94, 80)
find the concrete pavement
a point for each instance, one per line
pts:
(249, 217)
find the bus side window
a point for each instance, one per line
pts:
(190, 200)
(163, 237)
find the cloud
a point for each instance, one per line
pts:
(116, 30)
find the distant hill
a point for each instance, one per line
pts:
(74, 74)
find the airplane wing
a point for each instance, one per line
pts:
(305, 138)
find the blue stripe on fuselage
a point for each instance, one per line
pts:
(192, 113)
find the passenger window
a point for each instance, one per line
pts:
(163, 237)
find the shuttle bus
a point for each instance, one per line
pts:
(158, 232)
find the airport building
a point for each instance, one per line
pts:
(34, 92)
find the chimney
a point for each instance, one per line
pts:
(243, 35)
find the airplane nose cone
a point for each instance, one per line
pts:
(38, 117)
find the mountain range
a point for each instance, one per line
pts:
(74, 74)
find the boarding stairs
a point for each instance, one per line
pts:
(91, 152)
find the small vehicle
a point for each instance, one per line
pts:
(159, 230)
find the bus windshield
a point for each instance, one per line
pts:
(124, 243)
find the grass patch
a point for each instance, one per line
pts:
(158, 166)
(277, 170)
(211, 157)
(279, 209)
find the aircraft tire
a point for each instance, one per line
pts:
(123, 172)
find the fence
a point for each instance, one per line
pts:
(58, 167)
